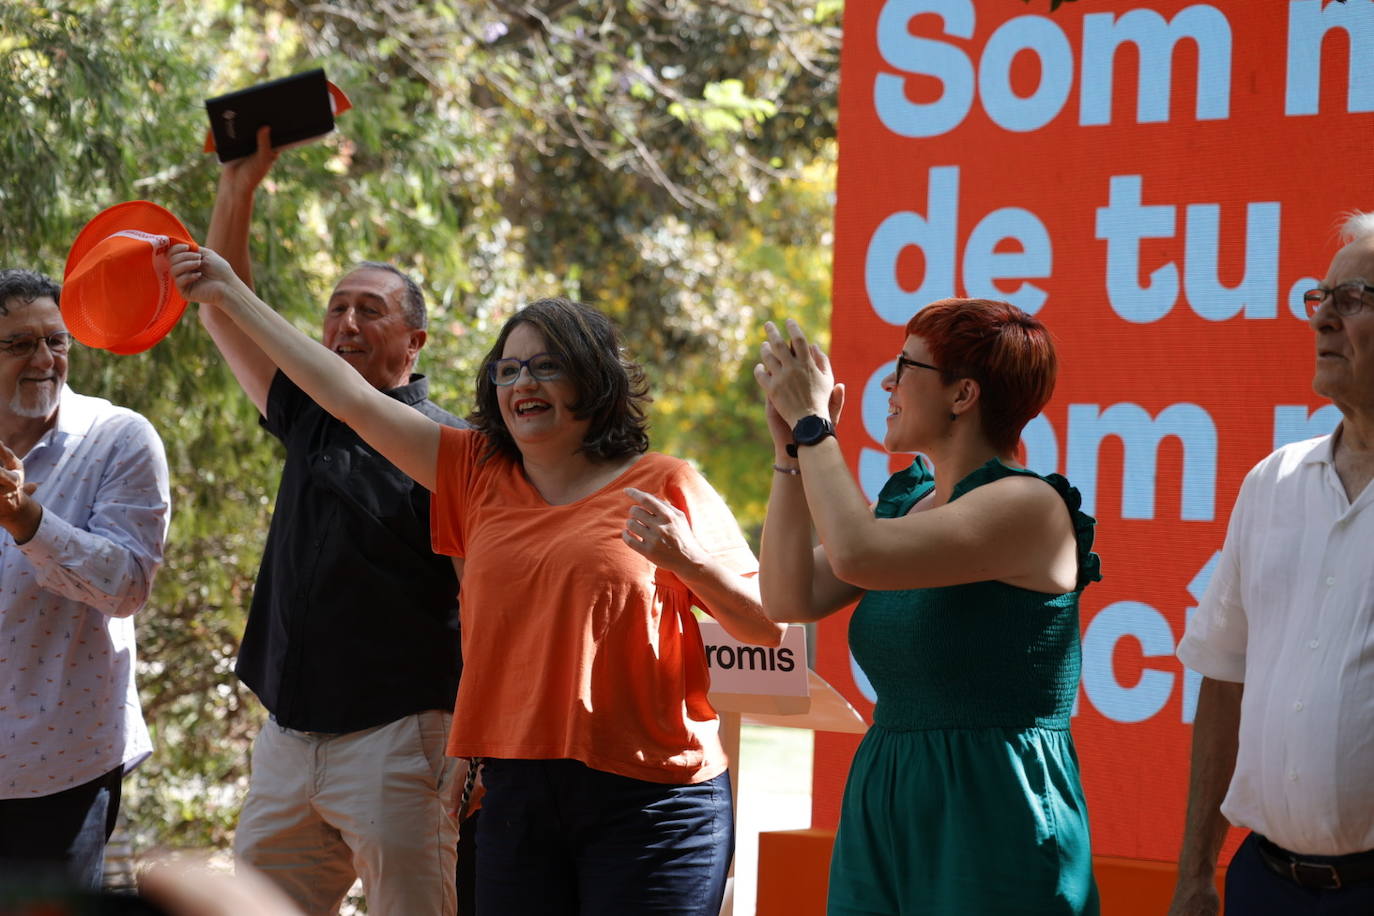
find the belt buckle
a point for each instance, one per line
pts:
(1324, 869)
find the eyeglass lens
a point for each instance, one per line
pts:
(25, 346)
(1347, 298)
(543, 367)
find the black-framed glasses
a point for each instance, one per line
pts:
(1347, 298)
(544, 367)
(903, 362)
(24, 345)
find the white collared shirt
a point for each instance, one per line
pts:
(1290, 612)
(69, 708)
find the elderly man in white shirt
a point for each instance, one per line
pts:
(84, 509)
(1285, 640)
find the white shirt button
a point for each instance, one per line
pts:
(1297, 707)
(1314, 643)
(1292, 775)
(1330, 580)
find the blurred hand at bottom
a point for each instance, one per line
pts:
(193, 890)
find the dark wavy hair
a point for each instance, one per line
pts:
(26, 286)
(611, 389)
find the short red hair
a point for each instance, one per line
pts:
(1006, 351)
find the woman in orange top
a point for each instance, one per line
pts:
(581, 555)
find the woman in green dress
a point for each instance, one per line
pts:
(964, 797)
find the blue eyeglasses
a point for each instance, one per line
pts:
(544, 367)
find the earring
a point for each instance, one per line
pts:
(953, 416)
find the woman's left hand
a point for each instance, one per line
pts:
(795, 375)
(660, 531)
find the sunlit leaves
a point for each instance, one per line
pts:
(670, 161)
(723, 108)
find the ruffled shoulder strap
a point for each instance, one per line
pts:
(1089, 563)
(903, 489)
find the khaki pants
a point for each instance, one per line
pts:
(375, 804)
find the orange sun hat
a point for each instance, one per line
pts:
(117, 291)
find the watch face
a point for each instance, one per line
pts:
(812, 429)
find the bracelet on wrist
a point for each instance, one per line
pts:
(782, 469)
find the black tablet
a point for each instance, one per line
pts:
(296, 106)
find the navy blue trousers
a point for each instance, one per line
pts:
(1253, 890)
(558, 838)
(67, 829)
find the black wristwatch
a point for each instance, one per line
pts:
(808, 431)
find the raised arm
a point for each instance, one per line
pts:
(795, 578)
(407, 438)
(1010, 530)
(230, 223)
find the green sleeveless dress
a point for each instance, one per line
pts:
(964, 796)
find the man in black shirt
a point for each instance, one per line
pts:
(352, 637)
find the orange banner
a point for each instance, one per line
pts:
(1158, 182)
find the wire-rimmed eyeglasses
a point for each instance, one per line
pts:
(24, 345)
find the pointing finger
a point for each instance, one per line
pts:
(652, 503)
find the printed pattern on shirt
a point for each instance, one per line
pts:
(69, 708)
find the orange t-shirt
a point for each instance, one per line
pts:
(574, 645)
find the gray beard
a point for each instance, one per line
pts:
(39, 408)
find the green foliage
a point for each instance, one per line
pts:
(670, 161)
(723, 109)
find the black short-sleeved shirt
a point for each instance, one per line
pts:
(354, 620)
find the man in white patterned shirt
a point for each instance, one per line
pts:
(84, 509)
(1285, 640)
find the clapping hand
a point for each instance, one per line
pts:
(19, 515)
(797, 380)
(13, 487)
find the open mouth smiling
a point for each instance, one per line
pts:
(527, 407)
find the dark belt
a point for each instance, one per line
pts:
(302, 731)
(1326, 873)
